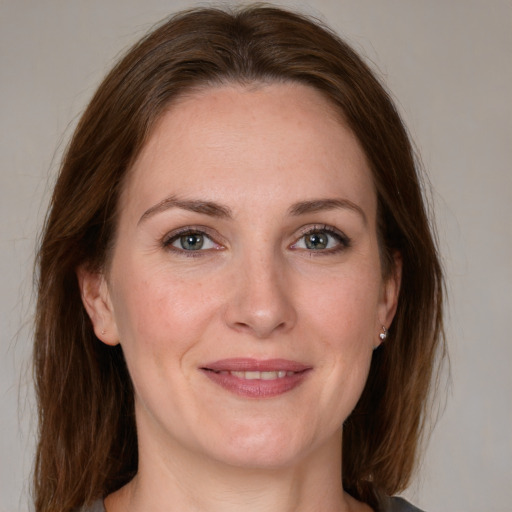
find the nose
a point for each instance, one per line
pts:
(261, 303)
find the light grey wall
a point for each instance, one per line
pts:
(449, 63)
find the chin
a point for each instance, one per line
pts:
(260, 458)
(272, 447)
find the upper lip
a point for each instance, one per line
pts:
(255, 365)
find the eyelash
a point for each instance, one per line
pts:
(343, 242)
(170, 238)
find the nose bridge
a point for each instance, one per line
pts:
(261, 303)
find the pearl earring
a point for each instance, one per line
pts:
(384, 334)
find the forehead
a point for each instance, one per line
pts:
(245, 139)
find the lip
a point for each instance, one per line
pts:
(270, 386)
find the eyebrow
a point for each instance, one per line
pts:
(205, 207)
(319, 205)
(213, 209)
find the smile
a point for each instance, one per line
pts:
(258, 375)
(251, 378)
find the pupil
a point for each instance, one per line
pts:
(192, 242)
(316, 241)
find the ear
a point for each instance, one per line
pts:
(389, 293)
(96, 299)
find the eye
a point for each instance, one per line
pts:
(190, 240)
(322, 238)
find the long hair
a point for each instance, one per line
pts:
(87, 439)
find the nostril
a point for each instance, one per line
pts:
(259, 327)
(261, 304)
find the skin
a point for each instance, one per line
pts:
(255, 290)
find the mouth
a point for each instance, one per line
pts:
(252, 378)
(255, 375)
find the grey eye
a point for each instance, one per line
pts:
(316, 240)
(320, 240)
(190, 242)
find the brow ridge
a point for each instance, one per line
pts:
(194, 205)
(317, 205)
(217, 210)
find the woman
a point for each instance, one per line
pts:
(240, 299)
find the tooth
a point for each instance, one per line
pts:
(255, 375)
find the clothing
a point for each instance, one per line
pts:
(97, 506)
(388, 505)
(398, 505)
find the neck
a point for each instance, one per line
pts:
(173, 477)
(193, 483)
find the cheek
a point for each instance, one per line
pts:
(158, 327)
(159, 313)
(343, 315)
(346, 305)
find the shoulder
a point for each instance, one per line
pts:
(388, 505)
(97, 506)
(397, 505)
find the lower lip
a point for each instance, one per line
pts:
(256, 388)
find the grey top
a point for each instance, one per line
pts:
(388, 505)
(398, 505)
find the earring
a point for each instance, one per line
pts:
(103, 332)
(384, 334)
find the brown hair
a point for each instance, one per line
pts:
(87, 439)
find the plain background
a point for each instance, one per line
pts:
(447, 61)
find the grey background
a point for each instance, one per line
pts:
(448, 62)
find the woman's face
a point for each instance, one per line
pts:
(245, 285)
